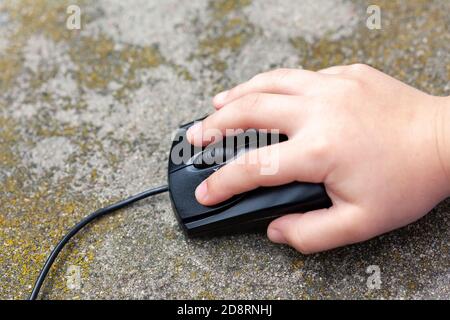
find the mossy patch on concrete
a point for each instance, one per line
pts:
(228, 30)
(407, 42)
(49, 212)
(8, 138)
(31, 17)
(100, 62)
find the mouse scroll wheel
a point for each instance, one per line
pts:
(213, 156)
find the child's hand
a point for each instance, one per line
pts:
(376, 143)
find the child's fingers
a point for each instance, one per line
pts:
(319, 230)
(280, 81)
(356, 69)
(257, 111)
(268, 166)
(333, 70)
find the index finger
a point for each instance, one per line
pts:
(279, 81)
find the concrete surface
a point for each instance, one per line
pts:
(86, 118)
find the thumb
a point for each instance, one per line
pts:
(319, 230)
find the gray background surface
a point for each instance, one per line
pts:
(86, 118)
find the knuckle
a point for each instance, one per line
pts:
(212, 126)
(296, 240)
(271, 78)
(234, 92)
(230, 112)
(237, 90)
(208, 125)
(249, 164)
(279, 74)
(211, 123)
(213, 182)
(257, 77)
(303, 247)
(350, 85)
(319, 148)
(359, 68)
(249, 169)
(251, 102)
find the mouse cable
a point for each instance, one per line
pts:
(97, 214)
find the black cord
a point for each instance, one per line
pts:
(99, 213)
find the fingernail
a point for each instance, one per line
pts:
(219, 99)
(201, 193)
(276, 236)
(194, 133)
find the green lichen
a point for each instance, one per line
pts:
(298, 264)
(49, 212)
(33, 217)
(232, 30)
(223, 7)
(231, 38)
(98, 60)
(46, 17)
(398, 48)
(8, 138)
(31, 17)
(10, 66)
(99, 63)
(182, 72)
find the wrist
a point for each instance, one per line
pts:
(443, 137)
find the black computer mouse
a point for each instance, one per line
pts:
(253, 210)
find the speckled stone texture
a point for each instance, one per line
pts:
(86, 118)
